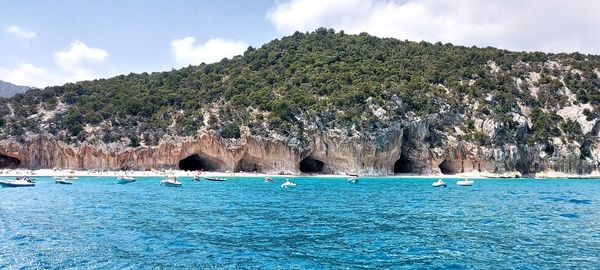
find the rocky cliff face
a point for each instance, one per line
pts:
(412, 148)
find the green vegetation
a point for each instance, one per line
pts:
(321, 80)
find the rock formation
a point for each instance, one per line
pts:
(412, 148)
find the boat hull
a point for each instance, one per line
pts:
(15, 184)
(288, 185)
(63, 182)
(125, 181)
(215, 179)
(464, 183)
(353, 180)
(170, 184)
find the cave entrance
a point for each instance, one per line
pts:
(451, 167)
(311, 165)
(197, 162)
(403, 165)
(9, 162)
(248, 164)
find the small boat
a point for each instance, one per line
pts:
(170, 181)
(353, 180)
(125, 179)
(269, 180)
(464, 182)
(19, 182)
(69, 177)
(63, 181)
(216, 179)
(288, 184)
(439, 183)
(196, 178)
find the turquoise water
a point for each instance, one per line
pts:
(323, 223)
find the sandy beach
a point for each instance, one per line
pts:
(181, 173)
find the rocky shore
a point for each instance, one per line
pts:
(409, 149)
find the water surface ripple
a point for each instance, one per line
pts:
(323, 223)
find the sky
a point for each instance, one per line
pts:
(45, 42)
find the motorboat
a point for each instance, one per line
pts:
(63, 181)
(170, 181)
(126, 179)
(216, 179)
(288, 184)
(269, 180)
(465, 182)
(19, 182)
(196, 178)
(353, 180)
(439, 183)
(69, 177)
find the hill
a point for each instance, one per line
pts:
(8, 89)
(396, 106)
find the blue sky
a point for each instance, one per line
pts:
(53, 42)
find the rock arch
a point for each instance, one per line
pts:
(9, 162)
(197, 162)
(249, 164)
(311, 165)
(403, 165)
(451, 166)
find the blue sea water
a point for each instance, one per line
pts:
(323, 223)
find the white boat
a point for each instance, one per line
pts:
(215, 179)
(353, 180)
(19, 182)
(125, 179)
(465, 182)
(69, 177)
(439, 183)
(170, 181)
(288, 184)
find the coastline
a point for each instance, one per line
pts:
(181, 173)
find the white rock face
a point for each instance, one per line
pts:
(575, 113)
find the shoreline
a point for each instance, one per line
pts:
(180, 173)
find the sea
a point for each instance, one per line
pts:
(323, 223)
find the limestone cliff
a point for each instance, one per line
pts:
(412, 148)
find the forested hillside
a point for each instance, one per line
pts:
(355, 84)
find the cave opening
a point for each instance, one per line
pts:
(198, 162)
(311, 165)
(9, 162)
(403, 165)
(248, 164)
(451, 166)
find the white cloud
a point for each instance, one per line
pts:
(80, 62)
(553, 25)
(20, 33)
(186, 51)
(27, 75)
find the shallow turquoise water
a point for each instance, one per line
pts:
(323, 223)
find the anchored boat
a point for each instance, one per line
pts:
(464, 182)
(19, 182)
(125, 179)
(439, 183)
(170, 181)
(288, 184)
(216, 179)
